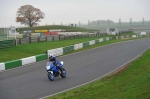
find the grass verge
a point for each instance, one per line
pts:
(131, 82)
(66, 28)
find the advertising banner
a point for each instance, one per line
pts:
(41, 30)
(51, 33)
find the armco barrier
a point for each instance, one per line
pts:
(117, 37)
(92, 42)
(101, 40)
(104, 39)
(57, 51)
(41, 57)
(122, 37)
(13, 64)
(51, 51)
(28, 60)
(127, 36)
(85, 44)
(134, 36)
(107, 39)
(78, 46)
(20, 62)
(96, 41)
(2, 66)
(68, 49)
(6, 43)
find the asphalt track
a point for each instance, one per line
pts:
(31, 82)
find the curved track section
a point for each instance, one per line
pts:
(31, 82)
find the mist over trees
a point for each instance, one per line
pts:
(101, 22)
(29, 15)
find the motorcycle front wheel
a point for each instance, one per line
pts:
(63, 73)
(50, 76)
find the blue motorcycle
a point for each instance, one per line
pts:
(55, 71)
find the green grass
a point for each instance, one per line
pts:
(67, 28)
(132, 33)
(132, 82)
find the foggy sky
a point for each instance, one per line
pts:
(73, 11)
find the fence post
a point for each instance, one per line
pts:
(20, 41)
(53, 38)
(38, 39)
(46, 39)
(59, 37)
(29, 39)
(15, 42)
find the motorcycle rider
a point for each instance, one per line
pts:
(53, 59)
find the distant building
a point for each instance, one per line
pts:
(112, 31)
(143, 33)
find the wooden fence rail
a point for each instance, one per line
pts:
(29, 40)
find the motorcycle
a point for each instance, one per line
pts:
(55, 71)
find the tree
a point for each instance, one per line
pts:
(28, 15)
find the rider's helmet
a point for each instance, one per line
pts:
(51, 56)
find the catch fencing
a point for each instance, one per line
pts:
(6, 43)
(29, 40)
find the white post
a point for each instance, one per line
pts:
(4, 32)
(13, 29)
(7, 33)
(15, 32)
(15, 36)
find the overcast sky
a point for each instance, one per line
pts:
(73, 11)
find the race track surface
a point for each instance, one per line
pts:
(31, 82)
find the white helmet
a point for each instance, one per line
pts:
(51, 56)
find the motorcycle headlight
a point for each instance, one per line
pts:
(47, 67)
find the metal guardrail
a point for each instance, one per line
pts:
(29, 40)
(6, 43)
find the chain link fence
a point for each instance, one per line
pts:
(6, 33)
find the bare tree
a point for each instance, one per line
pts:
(29, 16)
